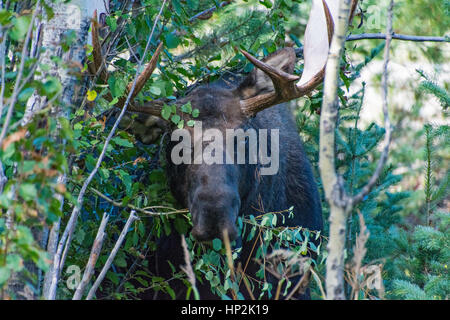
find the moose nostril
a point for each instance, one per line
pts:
(200, 235)
(205, 236)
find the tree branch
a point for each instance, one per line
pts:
(206, 14)
(144, 211)
(396, 36)
(16, 92)
(112, 255)
(95, 252)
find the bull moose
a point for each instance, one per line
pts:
(216, 194)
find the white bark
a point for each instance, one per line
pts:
(112, 255)
(75, 16)
(95, 252)
(334, 192)
(52, 244)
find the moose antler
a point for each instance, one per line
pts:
(317, 40)
(284, 83)
(96, 67)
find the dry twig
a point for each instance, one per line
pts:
(187, 268)
(95, 252)
(112, 255)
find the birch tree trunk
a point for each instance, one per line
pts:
(333, 187)
(74, 16)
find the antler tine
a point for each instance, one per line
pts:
(96, 51)
(352, 11)
(285, 88)
(153, 107)
(91, 64)
(145, 75)
(330, 22)
(275, 74)
(318, 77)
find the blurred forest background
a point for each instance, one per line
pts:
(406, 215)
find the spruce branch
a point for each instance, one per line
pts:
(387, 124)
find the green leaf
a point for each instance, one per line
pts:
(176, 118)
(166, 112)
(66, 129)
(28, 191)
(80, 235)
(304, 247)
(113, 101)
(265, 221)
(112, 23)
(217, 57)
(215, 281)
(126, 179)
(209, 275)
(113, 277)
(120, 262)
(195, 113)
(288, 3)
(5, 273)
(48, 11)
(186, 108)
(155, 90)
(266, 3)
(24, 236)
(171, 292)
(14, 262)
(104, 173)
(274, 220)
(25, 94)
(181, 226)
(20, 28)
(4, 16)
(52, 86)
(172, 41)
(122, 142)
(43, 261)
(117, 86)
(217, 244)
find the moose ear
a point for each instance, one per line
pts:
(257, 82)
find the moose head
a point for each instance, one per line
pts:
(216, 193)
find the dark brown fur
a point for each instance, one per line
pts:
(216, 194)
